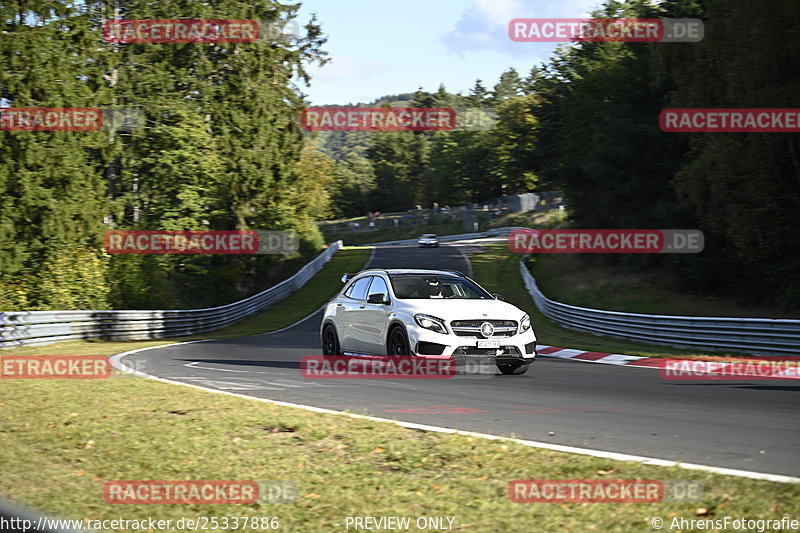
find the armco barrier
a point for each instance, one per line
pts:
(758, 336)
(496, 232)
(19, 328)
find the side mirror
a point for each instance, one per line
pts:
(498, 297)
(378, 298)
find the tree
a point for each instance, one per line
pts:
(478, 95)
(219, 146)
(509, 86)
(353, 184)
(311, 194)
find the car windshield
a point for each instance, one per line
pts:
(432, 286)
(429, 236)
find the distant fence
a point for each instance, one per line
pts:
(759, 336)
(21, 328)
(496, 232)
(538, 201)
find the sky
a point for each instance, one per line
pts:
(381, 47)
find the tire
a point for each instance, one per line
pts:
(513, 369)
(397, 343)
(330, 341)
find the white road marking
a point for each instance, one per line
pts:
(232, 385)
(219, 369)
(466, 259)
(283, 384)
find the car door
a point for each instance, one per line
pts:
(350, 305)
(372, 319)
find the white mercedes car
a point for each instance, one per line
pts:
(437, 313)
(429, 239)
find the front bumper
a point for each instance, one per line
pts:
(427, 343)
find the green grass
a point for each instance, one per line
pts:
(497, 269)
(530, 219)
(579, 279)
(61, 440)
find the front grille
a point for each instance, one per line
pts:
(472, 350)
(472, 328)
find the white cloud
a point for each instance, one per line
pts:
(347, 68)
(484, 25)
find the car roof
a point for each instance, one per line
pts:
(393, 271)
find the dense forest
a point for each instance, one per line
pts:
(222, 148)
(586, 122)
(218, 150)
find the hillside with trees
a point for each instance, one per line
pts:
(222, 148)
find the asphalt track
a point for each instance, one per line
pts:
(746, 425)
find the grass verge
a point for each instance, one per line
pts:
(60, 441)
(579, 279)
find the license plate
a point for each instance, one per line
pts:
(488, 344)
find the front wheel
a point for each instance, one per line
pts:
(513, 369)
(398, 342)
(330, 341)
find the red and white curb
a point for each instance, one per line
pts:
(704, 366)
(601, 357)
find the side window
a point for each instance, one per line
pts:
(358, 290)
(378, 287)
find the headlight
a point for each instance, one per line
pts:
(525, 324)
(431, 322)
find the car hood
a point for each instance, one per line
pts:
(462, 309)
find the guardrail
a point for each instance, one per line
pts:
(757, 336)
(18, 328)
(450, 238)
